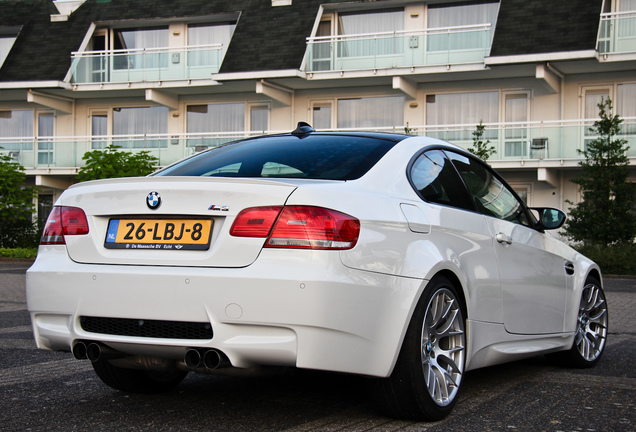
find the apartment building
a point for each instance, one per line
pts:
(177, 77)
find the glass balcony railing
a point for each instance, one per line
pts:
(549, 140)
(617, 33)
(438, 46)
(67, 152)
(531, 140)
(143, 65)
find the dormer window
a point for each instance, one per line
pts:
(8, 35)
(174, 51)
(202, 35)
(414, 36)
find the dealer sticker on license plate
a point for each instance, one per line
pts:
(166, 234)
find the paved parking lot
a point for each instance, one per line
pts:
(44, 390)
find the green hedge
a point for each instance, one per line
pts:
(24, 253)
(613, 259)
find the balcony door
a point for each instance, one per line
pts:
(46, 124)
(592, 96)
(516, 109)
(322, 49)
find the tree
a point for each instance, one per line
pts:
(481, 149)
(113, 163)
(17, 228)
(604, 215)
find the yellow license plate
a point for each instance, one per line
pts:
(166, 234)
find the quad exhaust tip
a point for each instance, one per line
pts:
(79, 350)
(210, 359)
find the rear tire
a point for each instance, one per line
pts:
(137, 381)
(591, 329)
(427, 377)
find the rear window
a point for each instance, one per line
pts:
(312, 156)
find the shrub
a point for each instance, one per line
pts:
(613, 259)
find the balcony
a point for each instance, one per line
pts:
(65, 153)
(432, 47)
(617, 33)
(144, 65)
(547, 142)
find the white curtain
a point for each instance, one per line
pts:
(216, 118)
(99, 128)
(462, 108)
(371, 112)
(454, 16)
(517, 112)
(259, 118)
(626, 106)
(17, 123)
(322, 117)
(148, 39)
(209, 35)
(138, 121)
(368, 23)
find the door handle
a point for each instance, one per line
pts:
(503, 239)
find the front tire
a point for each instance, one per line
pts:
(427, 377)
(135, 380)
(591, 329)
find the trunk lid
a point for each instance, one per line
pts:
(184, 201)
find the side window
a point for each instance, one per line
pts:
(434, 178)
(491, 196)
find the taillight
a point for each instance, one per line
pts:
(63, 221)
(299, 227)
(255, 222)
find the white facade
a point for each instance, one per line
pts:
(368, 65)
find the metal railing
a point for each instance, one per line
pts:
(437, 46)
(148, 64)
(617, 33)
(538, 140)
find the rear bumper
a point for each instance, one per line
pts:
(289, 308)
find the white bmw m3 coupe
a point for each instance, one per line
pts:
(400, 258)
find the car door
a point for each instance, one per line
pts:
(532, 274)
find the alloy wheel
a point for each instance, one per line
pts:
(443, 347)
(591, 331)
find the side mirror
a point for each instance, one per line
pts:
(550, 218)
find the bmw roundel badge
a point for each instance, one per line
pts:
(153, 200)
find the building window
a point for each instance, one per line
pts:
(133, 128)
(368, 23)
(516, 131)
(16, 130)
(321, 115)
(216, 118)
(626, 108)
(372, 112)
(135, 42)
(201, 36)
(99, 131)
(259, 118)
(8, 36)
(462, 109)
(591, 99)
(46, 132)
(440, 16)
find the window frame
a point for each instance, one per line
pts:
(532, 221)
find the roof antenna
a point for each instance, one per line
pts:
(302, 129)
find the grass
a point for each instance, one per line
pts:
(22, 253)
